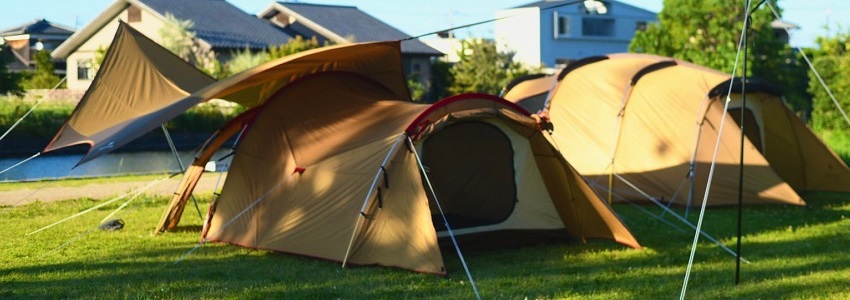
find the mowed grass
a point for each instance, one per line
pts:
(796, 252)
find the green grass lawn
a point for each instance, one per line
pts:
(796, 252)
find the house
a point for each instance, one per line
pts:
(347, 24)
(218, 26)
(550, 33)
(27, 39)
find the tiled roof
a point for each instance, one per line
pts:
(350, 22)
(38, 27)
(221, 24)
(14, 63)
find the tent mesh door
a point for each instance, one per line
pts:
(471, 167)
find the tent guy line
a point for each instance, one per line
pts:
(134, 194)
(814, 70)
(698, 231)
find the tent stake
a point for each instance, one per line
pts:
(445, 221)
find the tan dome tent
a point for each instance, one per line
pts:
(648, 121)
(530, 91)
(326, 169)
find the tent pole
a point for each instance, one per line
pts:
(180, 163)
(692, 165)
(445, 221)
(369, 196)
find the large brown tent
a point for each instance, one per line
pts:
(137, 81)
(651, 122)
(329, 168)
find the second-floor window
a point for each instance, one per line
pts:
(597, 27)
(562, 25)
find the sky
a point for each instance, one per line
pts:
(420, 17)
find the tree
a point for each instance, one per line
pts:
(178, 37)
(246, 59)
(707, 33)
(831, 61)
(43, 76)
(9, 82)
(483, 69)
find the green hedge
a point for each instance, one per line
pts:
(49, 116)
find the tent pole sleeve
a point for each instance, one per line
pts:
(615, 140)
(362, 212)
(445, 220)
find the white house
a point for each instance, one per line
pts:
(218, 25)
(552, 33)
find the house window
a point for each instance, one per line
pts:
(562, 25)
(640, 26)
(602, 27)
(84, 69)
(134, 14)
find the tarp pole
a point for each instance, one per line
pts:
(445, 221)
(179, 163)
(369, 196)
(711, 169)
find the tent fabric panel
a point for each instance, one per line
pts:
(114, 110)
(585, 109)
(378, 61)
(314, 122)
(531, 94)
(582, 213)
(397, 231)
(309, 213)
(761, 182)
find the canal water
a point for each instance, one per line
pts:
(49, 166)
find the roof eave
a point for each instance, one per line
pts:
(80, 37)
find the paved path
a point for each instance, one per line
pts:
(104, 190)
